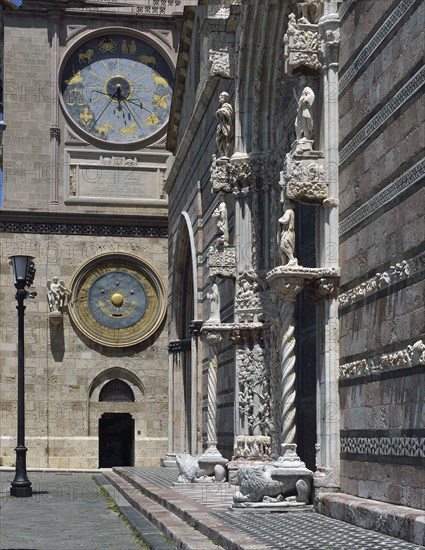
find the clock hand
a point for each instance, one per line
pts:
(134, 116)
(96, 120)
(137, 104)
(97, 92)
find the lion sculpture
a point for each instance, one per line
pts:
(259, 485)
(191, 471)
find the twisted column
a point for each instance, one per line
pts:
(287, 373)
(285, 286)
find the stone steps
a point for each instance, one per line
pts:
(187, 522)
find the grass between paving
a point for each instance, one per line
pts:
(112, 505)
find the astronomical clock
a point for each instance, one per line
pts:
(116, 89)
(117, 300)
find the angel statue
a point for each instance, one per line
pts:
(56, 292)
(225, 126)
(286, 238)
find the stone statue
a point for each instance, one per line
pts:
(56, 292)
(225, 126)
(214, 298)
(221, 213)
(287, 238)
(304, 119)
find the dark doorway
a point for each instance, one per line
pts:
(116, 440)
(306, 334)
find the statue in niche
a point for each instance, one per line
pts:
(214, 298)
(56, 293)
(304, 119)
(287, 238)
(225, 126)
(222, 225)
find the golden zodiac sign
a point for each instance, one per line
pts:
(86, 116)
(161, 101)
(148, 60)
(75, 79)
(104, 129)
(124, 46)
(159, 80)
(107, 45)
(86, 56)
(75, 96)
(151, 120)
(130, 131)
(133, 47)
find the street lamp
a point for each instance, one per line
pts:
(23, 276)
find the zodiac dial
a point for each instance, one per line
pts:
(117, 88)
(117, 300)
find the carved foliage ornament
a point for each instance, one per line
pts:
(254, 398)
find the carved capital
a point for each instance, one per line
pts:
(220, 180)
(323, 288)
(212, 337)
(55, 132)
(247, 334)
(195, 328)
(330, 37)
(240, 175)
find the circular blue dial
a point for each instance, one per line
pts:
(117, 300)
(117, 88)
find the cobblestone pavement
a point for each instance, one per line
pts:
(66, 512)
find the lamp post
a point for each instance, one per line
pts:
(23, 274)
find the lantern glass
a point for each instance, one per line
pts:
(20, 265)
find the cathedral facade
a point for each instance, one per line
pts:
(296, 245)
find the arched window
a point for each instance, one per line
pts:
(116, 390)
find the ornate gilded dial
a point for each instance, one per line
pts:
(117, 300)
(117, 88)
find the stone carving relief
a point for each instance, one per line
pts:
(73, 177)
(252, 446)
(305, 178)
(220, 176)
(254, 397)
(394, 273)
(301, 44)
(411, 356)
(247, 301)
(118, 161)
(221, 261)
(225, 126)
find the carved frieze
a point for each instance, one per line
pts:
(221, 261)
(392, 275)
(252, 446)
(288, 281)
(412, 356)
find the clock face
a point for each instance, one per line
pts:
(117, 88)
(117, 300)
